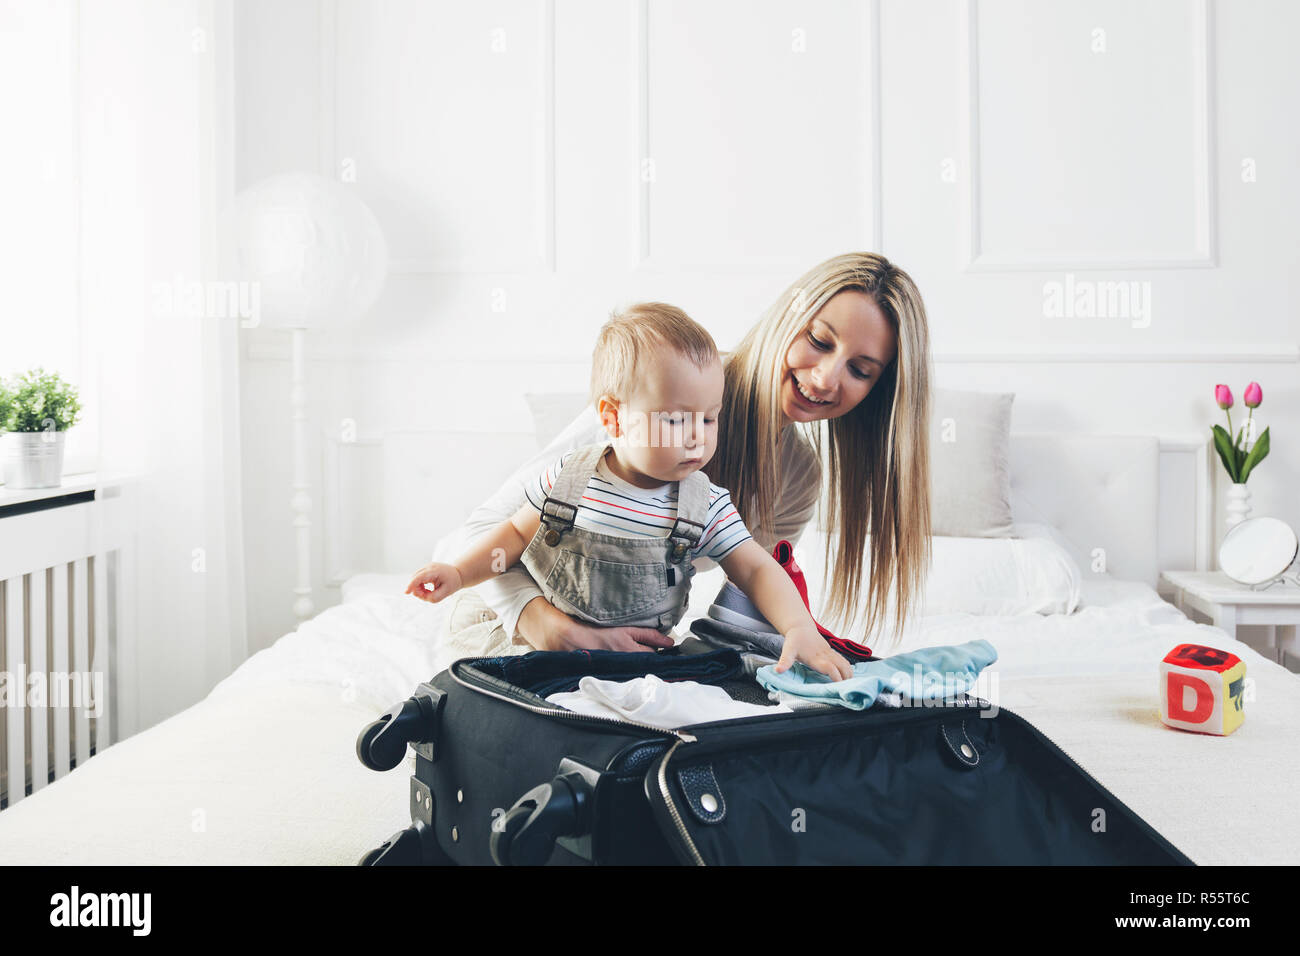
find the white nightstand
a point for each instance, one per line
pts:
(1230, 605)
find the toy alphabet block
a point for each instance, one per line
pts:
(1201, 689)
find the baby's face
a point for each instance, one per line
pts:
(670, 423)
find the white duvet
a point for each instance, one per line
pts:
(264, 770)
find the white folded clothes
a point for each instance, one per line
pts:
(659, 703)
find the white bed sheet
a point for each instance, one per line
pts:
(266, 762)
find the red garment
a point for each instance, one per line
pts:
(852, 650)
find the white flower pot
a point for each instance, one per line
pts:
(33, 459)
(1238, 504)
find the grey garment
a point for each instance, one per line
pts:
(757, 649)
(743, 639)
(609, 580)
(750, 662)
(733, 606)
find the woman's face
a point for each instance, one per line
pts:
(836, 359)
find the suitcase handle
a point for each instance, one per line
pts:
(525, 835)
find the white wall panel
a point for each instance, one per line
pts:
(1089, 134)
(757, 132)
(442, 116)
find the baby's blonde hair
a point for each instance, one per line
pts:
(627, 342)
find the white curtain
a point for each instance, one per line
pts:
(156, 162)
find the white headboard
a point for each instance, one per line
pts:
(1131, 505)
(1138, 503)
(389, 498)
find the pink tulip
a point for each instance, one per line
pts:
(1223, 396)
(1254, 395)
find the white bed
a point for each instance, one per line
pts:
(263, 770)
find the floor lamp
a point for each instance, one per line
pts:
(314, 258)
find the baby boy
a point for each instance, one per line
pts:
(610, 529)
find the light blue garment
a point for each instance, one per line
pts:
(928, 673)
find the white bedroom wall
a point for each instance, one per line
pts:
(535, 163)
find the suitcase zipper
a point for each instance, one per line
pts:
(666, 792)
(672, 806)
(1054, 744)
(1058, 747)
(555, 710)
(695, 855)
(974, 708)
(1101, 786)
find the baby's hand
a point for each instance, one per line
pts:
(445, 579)
(805, 644)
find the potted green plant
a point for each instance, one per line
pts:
(36, 411)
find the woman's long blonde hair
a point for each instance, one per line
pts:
(877, 459)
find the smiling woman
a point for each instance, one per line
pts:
(848, 344)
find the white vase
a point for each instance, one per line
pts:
(1238, 504)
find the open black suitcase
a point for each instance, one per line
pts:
(503, 776)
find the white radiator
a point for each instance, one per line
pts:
(60, 574)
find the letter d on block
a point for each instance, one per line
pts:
(1201, 689)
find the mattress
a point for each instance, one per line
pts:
(263, 770)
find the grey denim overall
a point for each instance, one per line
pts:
(609, 580)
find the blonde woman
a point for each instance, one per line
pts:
(834, 378)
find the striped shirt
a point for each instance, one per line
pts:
(613, 506)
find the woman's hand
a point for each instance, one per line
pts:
(806, 645)
(589, 637)
(445, 579)
(547, 628)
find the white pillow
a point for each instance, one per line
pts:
(987, 576)
(553, 411)
(970, 472)
(1032, 574)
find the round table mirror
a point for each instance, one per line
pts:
(1257, 550)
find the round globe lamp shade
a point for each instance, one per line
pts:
(314, 249)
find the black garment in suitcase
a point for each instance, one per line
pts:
(504, 776)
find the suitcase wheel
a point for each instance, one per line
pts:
(526, 833)
(381, 745)
(414, 846)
